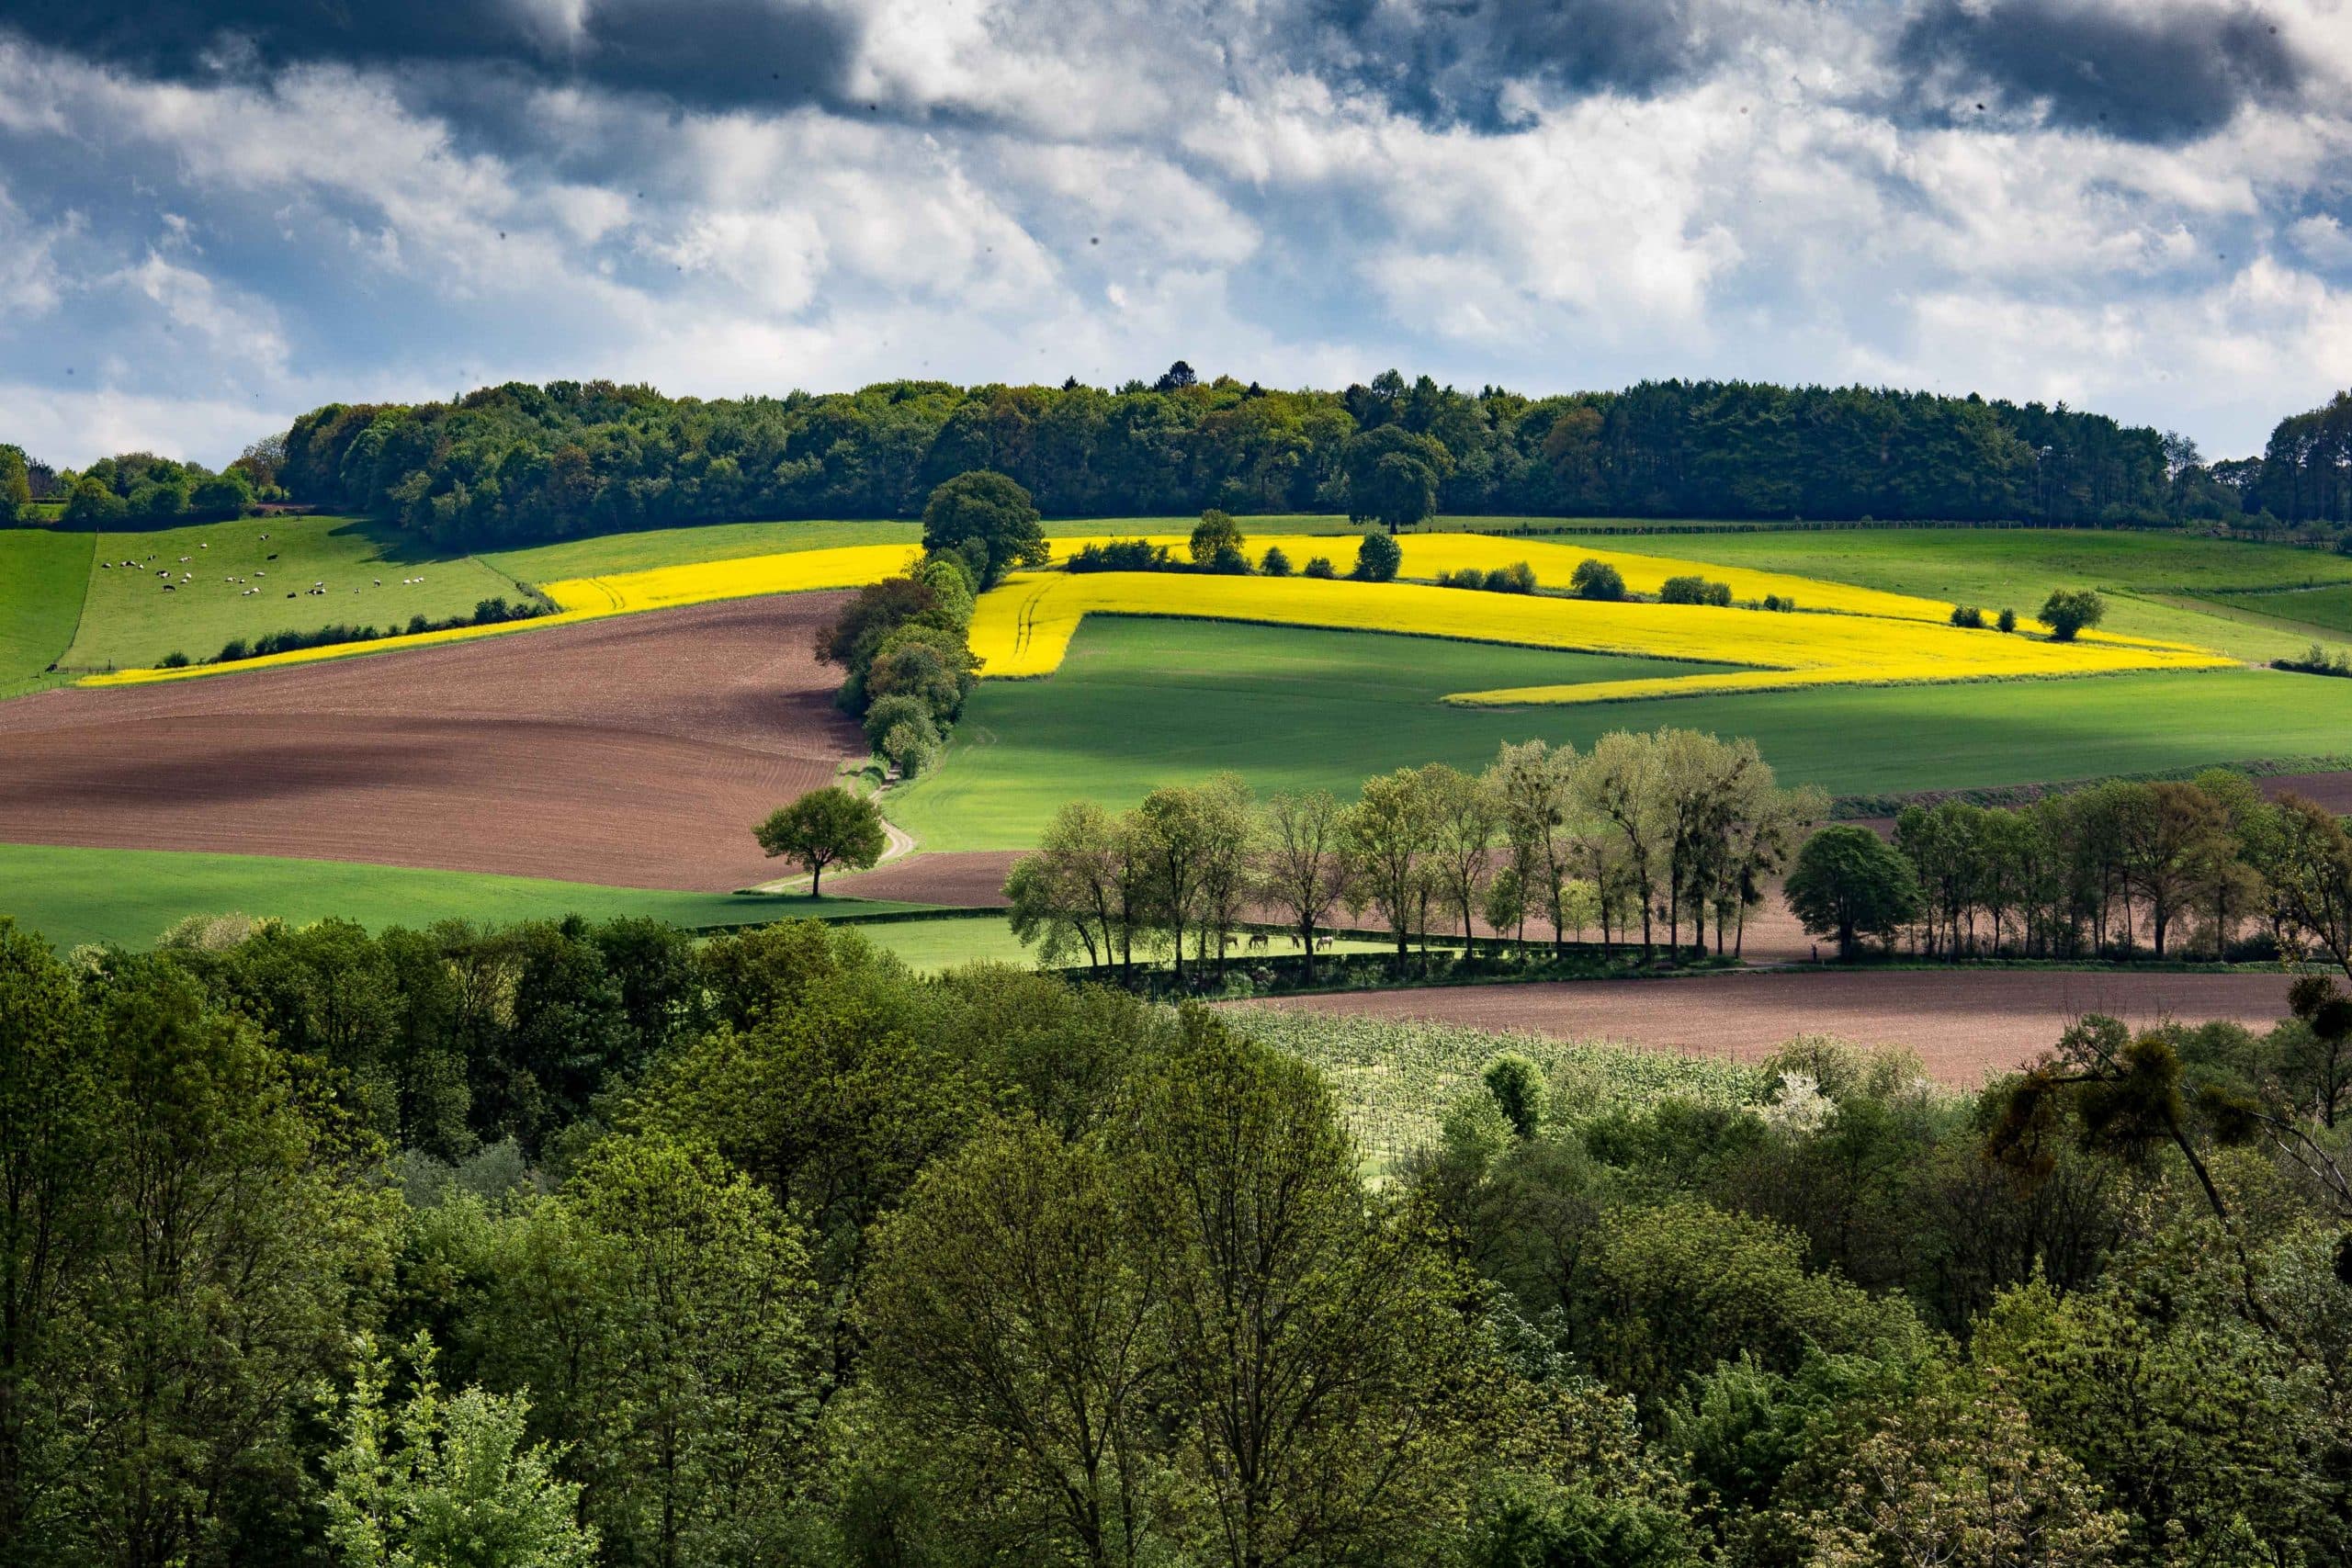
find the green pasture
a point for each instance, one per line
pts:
(2324, 612)
(2018, 567)
(1142, 702)
(130, 621)
(41, 579)
(131, 896)
(931, 946)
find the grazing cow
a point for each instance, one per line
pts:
(1257, 943)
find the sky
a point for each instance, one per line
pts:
(215, 216)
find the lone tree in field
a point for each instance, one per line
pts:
(1393, 476)
(991, 511)
(2071, 610)
(1849, 883)
(825, 827)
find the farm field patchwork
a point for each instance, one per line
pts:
(43, 577)
(2018, 567)
(133, 897)
(1023, 629)
(1140, 702)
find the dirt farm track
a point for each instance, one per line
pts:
(1963, 1024)
(635, 751)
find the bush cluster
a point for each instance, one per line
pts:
(2316, 660)
(1517, 578)
(488, 612)
(1694, 589)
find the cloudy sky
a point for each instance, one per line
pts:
(213, 216)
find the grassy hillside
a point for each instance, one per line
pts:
(1140, 703)
(2018, 567)
(1143, 702)
(2327, 612)
(41, 579)
(130, 621)
(130, 896)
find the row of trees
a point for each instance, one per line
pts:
(519, 462)
(848, 1268)
(138, 486)
(2209, 864)
(905, 642)
(1667, 831)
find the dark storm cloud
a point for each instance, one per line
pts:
(2141, 71)
(1448, 62)
(722, 53)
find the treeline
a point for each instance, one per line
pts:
(516, 462)
(1666, 832)
(2304, 474)
(138, 486)
(574, 1243)
(2208, 867)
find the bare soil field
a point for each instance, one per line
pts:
(636, 751)
(1963, 1025)
(2332, 790)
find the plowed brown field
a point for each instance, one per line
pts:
(636, 751)
(1963, 1025)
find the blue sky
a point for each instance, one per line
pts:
(214, 216)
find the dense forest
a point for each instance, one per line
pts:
(517, 463)
(570, 1244)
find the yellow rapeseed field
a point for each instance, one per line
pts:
(1427, 556)
(1023, 629)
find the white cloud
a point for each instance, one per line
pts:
(1050, 187)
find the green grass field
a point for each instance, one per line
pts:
(931, 945)
(2018, 567)
(131, 896)
(1141, 703)
(130, 621)
(2325, 611)
(41, 579)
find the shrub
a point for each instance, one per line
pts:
(234, 650)
(1377, 560)
(1276, 563)
(895, 710)
(176, 661)
(2316, 660)
(1597, 580)
(2071, 610)
(1319, 566)
(1968, 615)
(1774, 602)
(1121, 554)
(913, 750)
(1229, 561)
(1468, 576)
(1517, 578)
(1693, 590)
(2008, 620)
